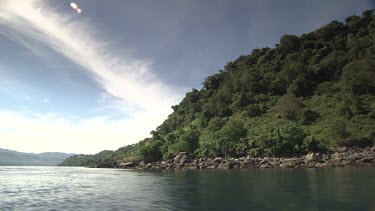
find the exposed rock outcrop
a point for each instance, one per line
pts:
(340, 157)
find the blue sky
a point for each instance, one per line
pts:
(106, 77)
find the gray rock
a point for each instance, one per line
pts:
(218, 160)
(373, 148)
(180, 158)
(202, 165)
(230, 165)
(148, 165)
(364, 160)
(291, 162)
(213, 166)
(266, 165)
(248, 162)
(242, 158)
(282, 165)
(342, 149)
(265, 160)
(312, 157)
(126, 165)
(274, 163)
(311, 164)
(321, 165)
(325, 157)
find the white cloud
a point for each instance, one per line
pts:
(136, 89)
(35, 132)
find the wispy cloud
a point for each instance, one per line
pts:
(127, 79)
(136, 90)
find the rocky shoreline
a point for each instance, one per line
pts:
(340, 157)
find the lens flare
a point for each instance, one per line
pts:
(74, 5)
(79, 10)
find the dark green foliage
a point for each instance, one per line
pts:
(339, 133)
(286, 140)
(231, 138)
(289, 106)
(253, 110)
(289, 44)
(308, 93)
(359, 76)
(311, 144)
(106, 158)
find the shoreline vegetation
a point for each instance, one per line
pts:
(272, 108)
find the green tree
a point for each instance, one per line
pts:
(289, 106)
(359, 76)
(289, 44)
(230, 136)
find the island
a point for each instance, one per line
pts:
(307, 102)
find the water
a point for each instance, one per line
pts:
(64, 188)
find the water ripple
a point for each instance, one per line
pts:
(61, 188)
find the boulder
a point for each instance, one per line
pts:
(180, 158)
(141, 164)
(364, 160)
(311, 164)
(248, 162)
(242, 158)
(214, 166)
(283, 166)
(312, 157)
(321, 165)
(218, 160)
(291, 162)
(148, 166)
(325, 156)
(266, 165)
(227, 165)
(265, 160)
(126, 165)
(274, 163)
(373, 148)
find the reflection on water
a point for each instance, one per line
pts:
(59, 188)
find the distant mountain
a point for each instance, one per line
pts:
(14, 158)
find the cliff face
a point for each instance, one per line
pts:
(309, 93)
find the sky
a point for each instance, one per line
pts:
(104, 78)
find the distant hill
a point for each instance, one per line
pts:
(14, 158)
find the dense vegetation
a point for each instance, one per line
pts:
(306, 94)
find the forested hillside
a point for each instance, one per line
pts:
(309, 93)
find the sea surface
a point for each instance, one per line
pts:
(66, 188)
